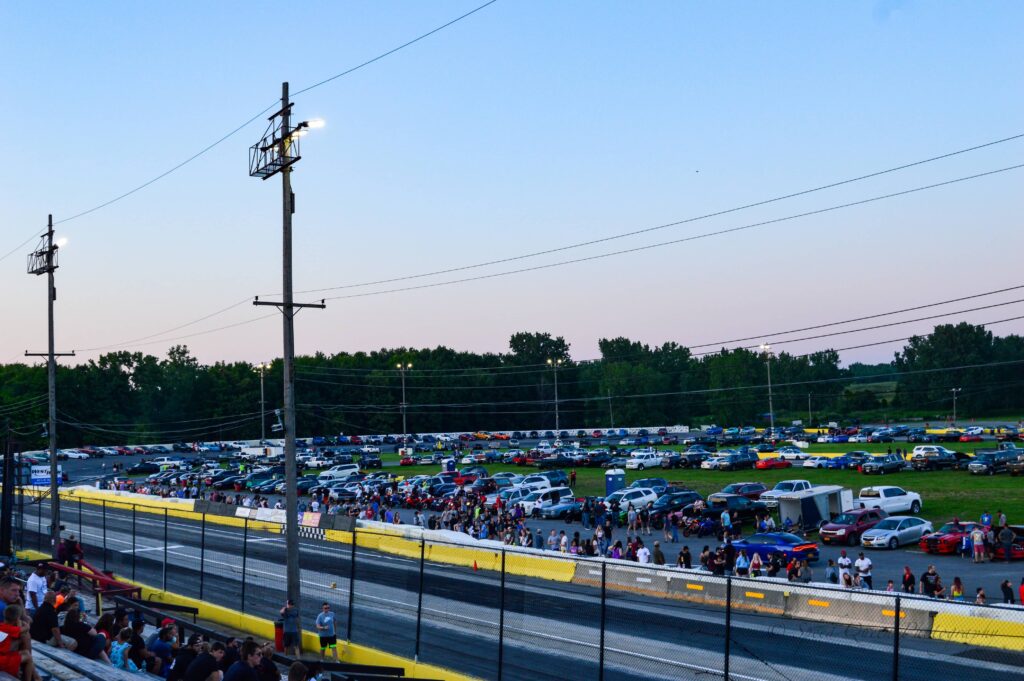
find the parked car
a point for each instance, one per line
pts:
(772, 463)
(792, 453)
(771, 497)
(933, 458)
(659, 485)
(990, 463)
(641, 460)
(638, 497)
(895, 531)
(672, 504)
(740, 508)
(767, 543)
(750, 490)
(890, 499)
(847, 527)
(948, 538)
(817, 462)
(882, 464)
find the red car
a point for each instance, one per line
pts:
(948, 538)
(970, 438)
(597, 433)
(847, 527)
(1016, 549)
(750, 490)
(772, 463)
(407, 461)
(356, 440)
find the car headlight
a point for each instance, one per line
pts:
(840, 532)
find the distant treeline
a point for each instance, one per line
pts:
(130, 397)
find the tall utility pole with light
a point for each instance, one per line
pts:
(275, 153)
(955, 391)
(262, 368)
(767, 350)
(403, 367)
(554, 364)
(44, 261)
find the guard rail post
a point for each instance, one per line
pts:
(896, 640)
(104, 535)
(419, 603)
(604, 615)
(501, 619)
(728, 626)
(165, 556)
(245, 558)
(202, 556)
(351, 585)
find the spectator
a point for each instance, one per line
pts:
(863, 566)
(119, 650)
(831, 572)
(742, 564)
(185, 656)
(1020, 591)
(88, 643)
(16, 661)
(1007, 590)
(325, 625)
(909, 581)
(245, 668)
(929, 580)
(843, 563)
(45, 625)
(297, 672)
(804, 573)
(206, 666)
(35, 588)
(10, 592)
(292, 632)
(979, 596)
(1006, 537)
(658, 556)
(978, 542)
(643, 554)
(684, 561)
(266, 669)
(756, 566)
(890, 586)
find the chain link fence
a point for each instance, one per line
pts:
(497, 612)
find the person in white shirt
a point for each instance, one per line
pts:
(35, 588)
(643, 554)
(843, 563)
(863, 567)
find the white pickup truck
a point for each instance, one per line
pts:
(890, 499)
(771, 497)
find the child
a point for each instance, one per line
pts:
(15, 648)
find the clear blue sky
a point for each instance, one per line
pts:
(529, 125)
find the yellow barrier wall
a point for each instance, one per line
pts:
(978, 631)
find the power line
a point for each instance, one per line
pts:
(238, 129)
(677, 223)
(673, 242)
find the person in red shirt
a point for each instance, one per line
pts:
(1020, 590)
(15, 649)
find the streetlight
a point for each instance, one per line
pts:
(403, 367)
(554, 364)
(767, 350)
(955, 391)
(262, 368)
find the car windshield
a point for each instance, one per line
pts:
(845, 519)
(888, 524)
(952, 527)
(784, 487)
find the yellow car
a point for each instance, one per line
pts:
(482, 435)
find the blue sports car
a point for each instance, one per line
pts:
(767, 543)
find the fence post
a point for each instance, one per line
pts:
(728, 625)
(419, 604)
(80, 519)
(104, 536)
(604, 615)
(39, 523)
(202, 557)
(351, 586)
(245, 557)
(135, 553)
(165, 552)
(501, 620)
(896, 641)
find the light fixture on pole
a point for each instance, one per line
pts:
(44, 261)
(262, 368)
(403, 367)
(955, 391)
(275, 153)
(767, 350)
(554, 364)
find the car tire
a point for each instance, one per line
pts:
(915, 507)
(894, 544)
(640, 467)
(881, 471)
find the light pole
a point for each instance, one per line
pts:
(44, 261)
(808, 410)
(554, 364)
(275, 153)
(262, 368)
(403, 367)
(955, 391)
(767, 350)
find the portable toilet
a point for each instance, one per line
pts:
(614, 479)
(449, 465)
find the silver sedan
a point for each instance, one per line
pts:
(895, 531)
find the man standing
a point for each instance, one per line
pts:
(1006, 538)
(659, 556)
(245, 668)
(643, 554)
(35, 588)
(328, 635)
(292, 632)
(843, 563)
(863, 566)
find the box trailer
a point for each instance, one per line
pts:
(809, 509)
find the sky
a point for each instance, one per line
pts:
(528, 126)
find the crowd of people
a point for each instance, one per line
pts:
(46, 609)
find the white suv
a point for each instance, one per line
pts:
(641, 460)
(638, 496)
(532, 503)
